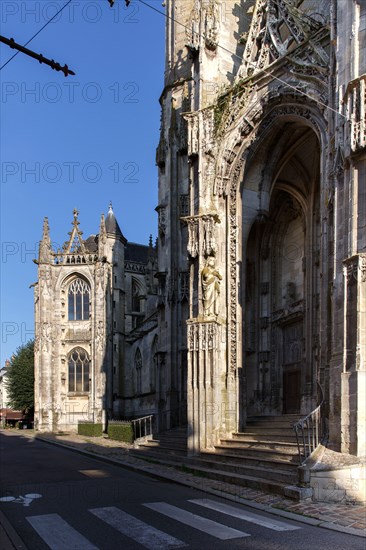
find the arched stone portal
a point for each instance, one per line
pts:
(280, 273)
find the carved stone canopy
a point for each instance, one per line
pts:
(202, 235)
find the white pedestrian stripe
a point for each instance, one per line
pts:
(141, 532)
(208, 526)
(242, 514)
(58, 534)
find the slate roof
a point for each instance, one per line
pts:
(91, 243)
(111, 224)
(138, 253)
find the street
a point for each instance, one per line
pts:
(59, 499)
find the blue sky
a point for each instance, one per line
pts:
(75, 142)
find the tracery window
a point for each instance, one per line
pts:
(78, 362)
(138, 367)
(79, 300)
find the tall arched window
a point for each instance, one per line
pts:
(138, 367)
(78, 370)
(79, 300)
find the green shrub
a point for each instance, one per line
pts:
(90, 429)
(122, 431)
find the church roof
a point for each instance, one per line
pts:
(111, 224)
(91, 243)
(137, 253)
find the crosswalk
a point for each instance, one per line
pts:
(60, 535)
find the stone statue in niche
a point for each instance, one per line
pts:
(210, 278)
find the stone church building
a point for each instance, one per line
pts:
(95, 301)
(255, 304)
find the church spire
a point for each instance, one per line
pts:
(75, 243)
(111, 224)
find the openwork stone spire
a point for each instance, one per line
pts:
(75, 243)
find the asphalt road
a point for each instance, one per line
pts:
(56, 498)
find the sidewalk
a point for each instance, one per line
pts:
(346, 518)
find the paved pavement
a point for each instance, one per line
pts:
(346, 518)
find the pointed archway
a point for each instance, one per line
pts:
(281, 274)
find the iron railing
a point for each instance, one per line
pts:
(311, 430)
(142, 427)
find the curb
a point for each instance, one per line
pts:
(263, 507)
(9, 538)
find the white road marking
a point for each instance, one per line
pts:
(208, 526)
(141, 532)
(247, 516)
(26, 500)
(58, 534)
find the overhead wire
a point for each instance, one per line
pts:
(268, 73)
(38, 32)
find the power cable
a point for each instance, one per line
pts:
(37, 33)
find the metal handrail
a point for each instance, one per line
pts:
(311, 430)
(142, 427)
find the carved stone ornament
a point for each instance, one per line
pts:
(193, 237)
(162, 222)
(355, 110)
(211, 19)
(172, 289)
(208, 127)
(203, 336)
(45, 279)
(277, 27)
(36, 292)
(36, 344)
(99, 275)
(162, 148)
(193, 30)
(184, 286)
(100, 336)
(45, 248)
(204, 24)
(202, 235)
(48, 334)
(233, 297)
(351, 270)
(363, 268)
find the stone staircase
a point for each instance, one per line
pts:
(263, 457)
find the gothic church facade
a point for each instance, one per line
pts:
(261, 269)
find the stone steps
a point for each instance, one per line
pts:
(281, 447)
(261, 461)
(263, 457)
(256, 471)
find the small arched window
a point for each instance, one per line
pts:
(78, 361)
(79, 300)
(138, 367)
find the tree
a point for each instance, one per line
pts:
(20, 379)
